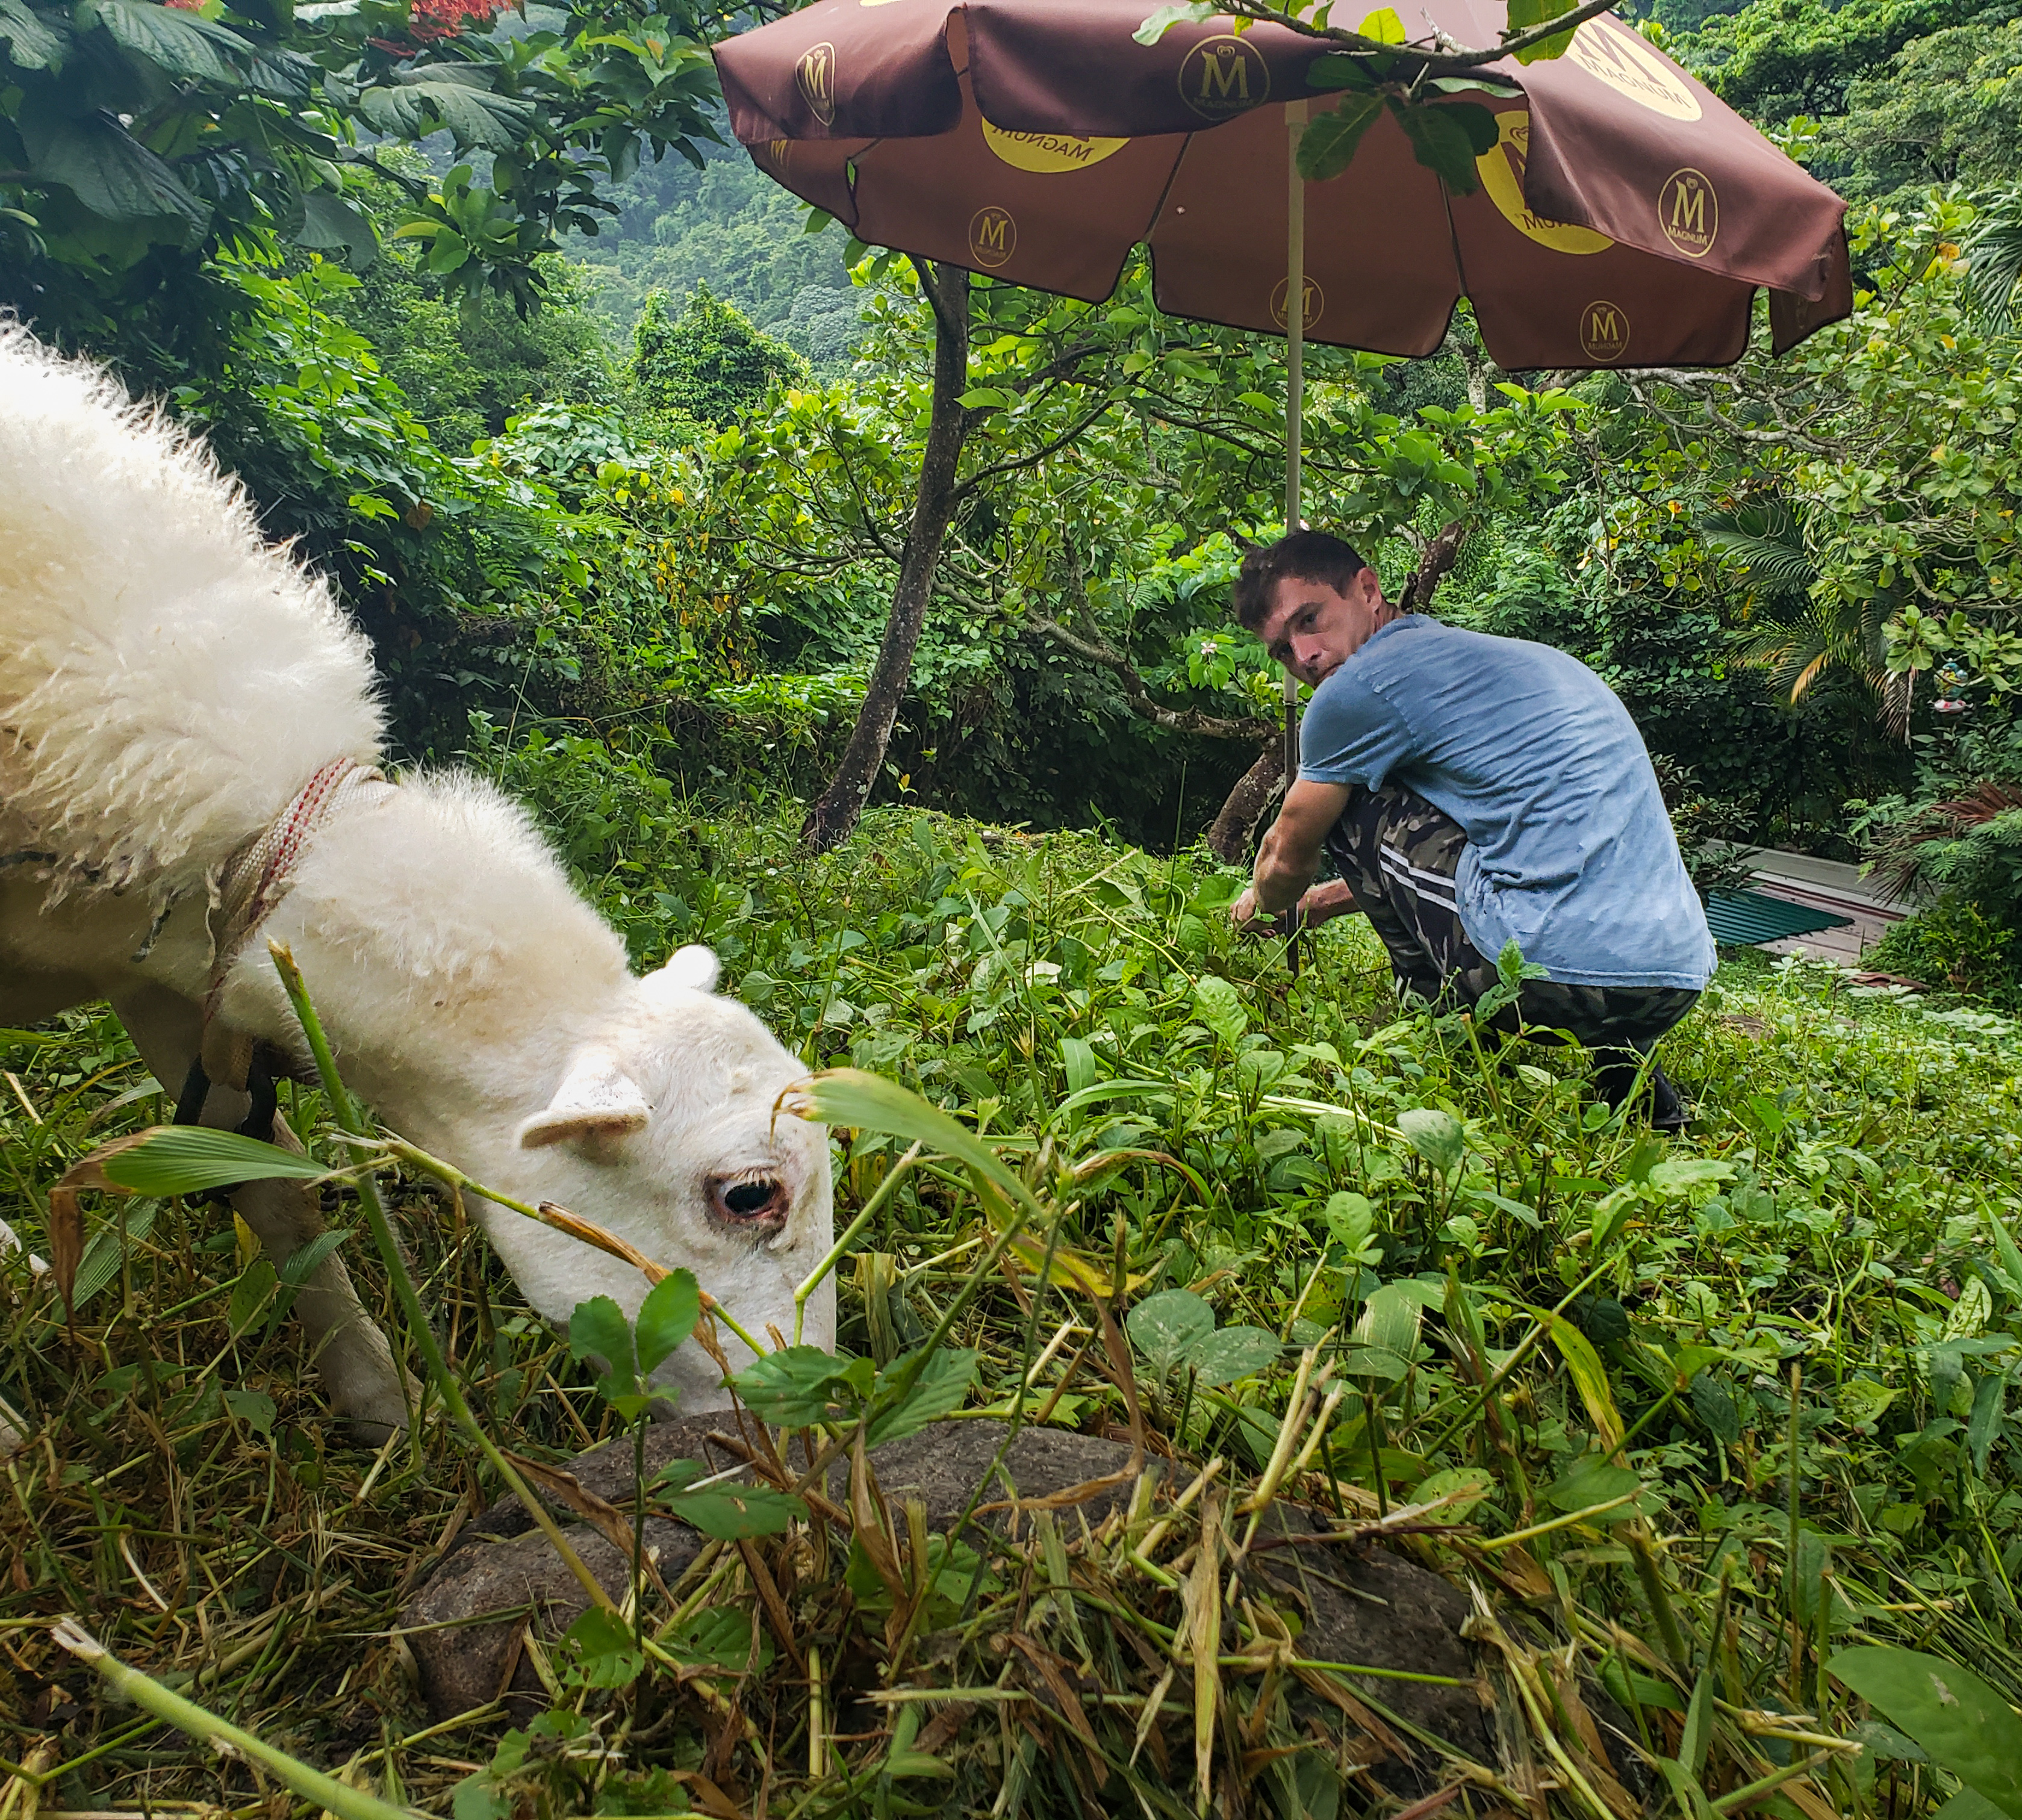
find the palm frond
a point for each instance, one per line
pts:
(1765, 540)
(1993, 262)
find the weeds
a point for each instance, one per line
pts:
(1688, 1421)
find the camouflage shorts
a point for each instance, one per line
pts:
(1399, 855)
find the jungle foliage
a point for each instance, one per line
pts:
(1720, 1427)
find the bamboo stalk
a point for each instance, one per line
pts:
(312, 1785)
(423, 1335)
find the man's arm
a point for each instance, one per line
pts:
(1290, 854)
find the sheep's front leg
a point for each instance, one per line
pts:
(359, 1374)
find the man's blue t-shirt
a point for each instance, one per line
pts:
(1570, 853)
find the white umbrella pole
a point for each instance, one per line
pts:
(1295, 378)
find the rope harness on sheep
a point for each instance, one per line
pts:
(251, 883)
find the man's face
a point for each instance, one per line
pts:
(1312, 629)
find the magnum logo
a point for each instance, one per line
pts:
(1313, 297)
(1630, 67)
(1501, 171)
(993, 236)
(1049, 153)
(1604, 331)
(814, 75)
(1222, 77)
(1688, 212)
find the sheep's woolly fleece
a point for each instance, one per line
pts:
(168, 680)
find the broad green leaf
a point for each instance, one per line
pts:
(727, 1513)
(250, 1295)
(598, 1329)
(1714, 1404)
(1351, 1218)
(1337, 71)
(1448, 138)
(1589, 1376)
(718, 1636)
(1434, 1134)
(31, 45)
(607, 1654)
(2007, 1249)
(667, 1316)
(255, 1408)
(1383, 26)
(1158, 23)
(1166, 1327)
(1804, 1576)
(1523, 14)
(1219, 1005)
(1077, 1058)
(1965, 1805)
(1327, 146)
(939, 1382)
(330, 224)
(1467, 1486)
(848, 1097)
(1682, 1174)
(188, 1159)
(1385, 1339)
(447, 251)
(1231, 1353)
(1861, 1400)
(1590, 1483)
(474, 116)
(180, 43)
(794, 1388)
(1983, 1426)
(1963, 1723)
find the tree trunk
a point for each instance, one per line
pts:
(1233, 837)
(835, 815)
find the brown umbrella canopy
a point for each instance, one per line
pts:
(1624, 218)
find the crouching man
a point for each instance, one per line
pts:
(1472, 791)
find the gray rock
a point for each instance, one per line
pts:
(1372, 1607)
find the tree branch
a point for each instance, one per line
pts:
(1032, 460)
(1440, 61)
(1172, 720)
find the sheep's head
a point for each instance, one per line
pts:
(665, 1128)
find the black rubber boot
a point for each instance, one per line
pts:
(1668, 1111)
(1662, 1105)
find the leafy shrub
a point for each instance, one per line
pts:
(709, 364)
(1955, 943)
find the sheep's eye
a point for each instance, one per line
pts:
(755, 1204)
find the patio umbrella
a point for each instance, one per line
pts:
(1623, 215)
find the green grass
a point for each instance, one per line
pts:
(1799, 1315)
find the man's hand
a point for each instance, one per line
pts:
(1244, 911)
(1324, 902)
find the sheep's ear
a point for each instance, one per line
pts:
(596, 1100)
(694, 967)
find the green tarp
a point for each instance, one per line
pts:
(1745, 919)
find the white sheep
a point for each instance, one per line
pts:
(179, 701)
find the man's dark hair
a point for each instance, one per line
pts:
(1304, 556)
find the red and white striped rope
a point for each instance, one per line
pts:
(257, 877)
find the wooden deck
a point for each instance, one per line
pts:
(1829, 885)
